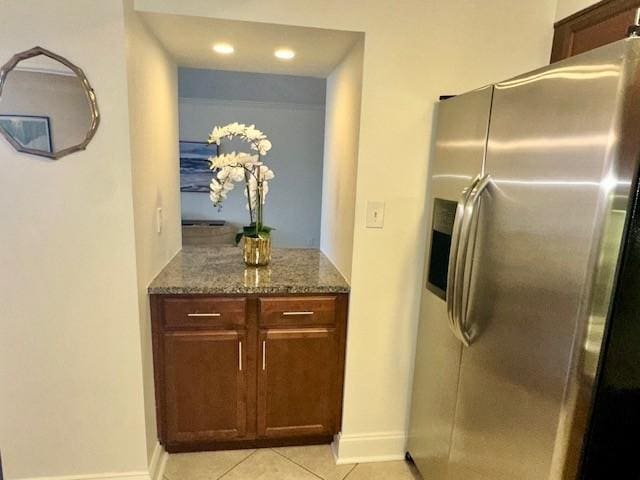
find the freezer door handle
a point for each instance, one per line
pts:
(464, 265)
(452, 297)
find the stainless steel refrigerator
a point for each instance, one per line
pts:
(531, 191)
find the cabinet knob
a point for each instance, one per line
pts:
(292, 314)
(203, 314)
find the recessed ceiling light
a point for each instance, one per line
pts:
(285, 53)
(223, 48)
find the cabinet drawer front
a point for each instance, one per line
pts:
(296, 311)
(204, 312)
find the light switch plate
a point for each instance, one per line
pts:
(375, 214)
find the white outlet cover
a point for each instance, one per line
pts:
(375, 214)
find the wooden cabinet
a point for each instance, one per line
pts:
(297, 382)
(605, 22)
(250, 371)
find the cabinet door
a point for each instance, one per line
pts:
(298, 382)
(205, 385)
(593, 27)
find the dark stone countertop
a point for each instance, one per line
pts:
(221, 270)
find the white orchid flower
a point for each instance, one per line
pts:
(237, 174)
(241, 167)
(264, 146)
(266, 173)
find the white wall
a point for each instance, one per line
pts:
(71, 400)
(415, 51)
(569, 7)
(342, 131)
(294, 199)
(153, 109)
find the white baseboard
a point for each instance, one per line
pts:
(158, 463)
(369, 447)
(156, 471)
(99, 476)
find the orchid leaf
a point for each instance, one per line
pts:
(253, 231)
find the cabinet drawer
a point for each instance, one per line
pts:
(297, 311)
(204, 312)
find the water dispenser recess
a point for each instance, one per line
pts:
(444, 212)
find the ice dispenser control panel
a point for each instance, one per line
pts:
(444, 212)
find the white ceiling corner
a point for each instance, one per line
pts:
(190, 39)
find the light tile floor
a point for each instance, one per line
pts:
(287, 463)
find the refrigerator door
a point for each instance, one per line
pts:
(460, 144)
(559, 167)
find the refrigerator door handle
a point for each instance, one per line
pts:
(463, 268)
(451, 297)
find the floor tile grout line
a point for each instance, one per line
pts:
(350, 471)
(237, 464)
(296, 463)
(280, 454)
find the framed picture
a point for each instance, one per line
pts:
(29, 131)
(195, 175)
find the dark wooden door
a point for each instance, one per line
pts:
(298, 382)
(603, 23)
(205, 385)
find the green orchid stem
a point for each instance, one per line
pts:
(246, 183)
(259, 193)
(259, 221)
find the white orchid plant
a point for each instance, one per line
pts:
(241, 167)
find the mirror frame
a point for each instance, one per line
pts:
(86, 86)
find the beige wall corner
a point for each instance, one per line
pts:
(155, 471)
(158, 463)
(370, 447)
(70, 369)
(340, 168)
(153, 130)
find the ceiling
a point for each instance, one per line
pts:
(190, 39)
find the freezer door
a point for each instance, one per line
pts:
(559, 168)
(459, 150)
